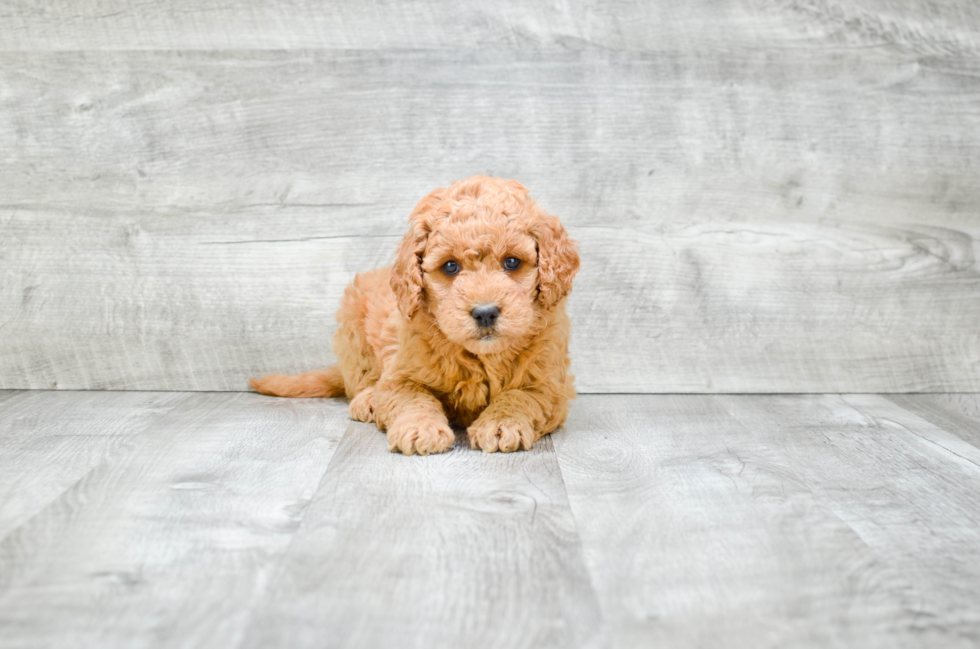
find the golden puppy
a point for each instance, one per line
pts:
(467, 327)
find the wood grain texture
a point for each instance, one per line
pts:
(908, 495)
(751, 220)
(51, 441)
(957, 413)
(170, 543)
(701, 532)
(462, 549)
(961, 403)
(930, 432)
(929, 26)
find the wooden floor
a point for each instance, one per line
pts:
(140, 519)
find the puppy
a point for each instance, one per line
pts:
(468, 327)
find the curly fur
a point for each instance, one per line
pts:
(413, 359)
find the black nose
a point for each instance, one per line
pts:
(486, 314)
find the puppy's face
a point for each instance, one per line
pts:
(484, 261)
(480, 281)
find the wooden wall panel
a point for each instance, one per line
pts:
(938, 26)
(201, 302)
(753, 217)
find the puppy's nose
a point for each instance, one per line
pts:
(485, 314)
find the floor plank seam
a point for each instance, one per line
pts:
(132, 442)
(939, 447)
(603, 618)
(277, 570)
(27, 522)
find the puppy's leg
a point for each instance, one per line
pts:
(514, 420)
(413, 419)
(362, 406)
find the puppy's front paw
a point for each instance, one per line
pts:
(362, 406)
(504, 435)
(423, 437)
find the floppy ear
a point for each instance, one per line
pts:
(406, 273)
(558, 260)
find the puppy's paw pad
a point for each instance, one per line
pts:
(422, 437)
(362, 406)
(504, 435)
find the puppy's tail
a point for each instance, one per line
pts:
(321, 383)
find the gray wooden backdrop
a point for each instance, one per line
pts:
(769, 195)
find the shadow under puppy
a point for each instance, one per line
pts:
(467, 327)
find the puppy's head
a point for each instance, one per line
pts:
(483, 259)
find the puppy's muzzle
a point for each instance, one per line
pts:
(485, 315)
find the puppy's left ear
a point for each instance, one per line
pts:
(558, 260)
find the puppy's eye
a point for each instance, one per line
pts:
(512, 263)
(450, 267)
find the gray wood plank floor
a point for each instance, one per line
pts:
(236, 520)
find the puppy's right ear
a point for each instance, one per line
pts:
(406, 274)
